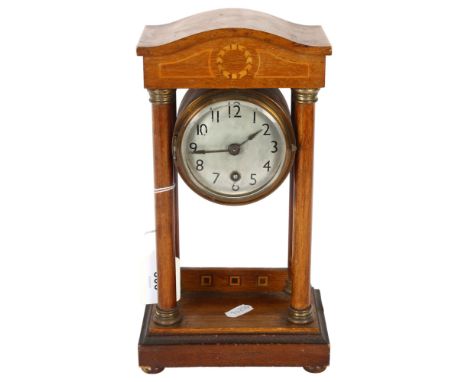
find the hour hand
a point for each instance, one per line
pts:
(251, 136)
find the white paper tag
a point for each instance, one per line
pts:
(238, 311)
(152, 279)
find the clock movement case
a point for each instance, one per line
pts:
(234, 49)
(270, 100)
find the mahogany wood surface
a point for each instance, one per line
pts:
(291, 348)
(163, 123)
(290, 223)
(176, 214)
(241, 49)
(290, 215)
(224, 20)
(233, 48)
(203, 313)
(303, 121)
(218, 279)
(234, 355)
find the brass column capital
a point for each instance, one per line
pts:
(305, 95)
(162, 96)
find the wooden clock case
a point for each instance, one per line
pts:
(234, 49)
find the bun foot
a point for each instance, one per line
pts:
(315, 369)
(151, 370)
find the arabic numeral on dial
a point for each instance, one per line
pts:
(199, 165)
(215, 116)
(236, 107)
(202, 129)
(235, 187)
(216, 174)
(193, 146)
(267, 130)
(267, 166)
(275, 146)
(253, 179)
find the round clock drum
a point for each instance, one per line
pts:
(234, 147)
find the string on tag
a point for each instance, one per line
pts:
(164, 189)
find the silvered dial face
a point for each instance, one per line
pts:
(233, 149)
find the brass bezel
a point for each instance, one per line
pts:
(270, 99)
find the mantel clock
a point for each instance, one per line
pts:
(234, 141)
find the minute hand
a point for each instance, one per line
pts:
(209, 151)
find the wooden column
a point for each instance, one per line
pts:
(303, 108)
(164, 114)
(288, 286)
(176, 212)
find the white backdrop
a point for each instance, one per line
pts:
(390, 208)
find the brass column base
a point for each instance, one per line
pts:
(303, 316)
(166, 317)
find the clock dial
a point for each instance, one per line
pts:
(233, 149)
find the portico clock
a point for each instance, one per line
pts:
(234, 140)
